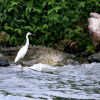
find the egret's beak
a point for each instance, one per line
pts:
(33, 34)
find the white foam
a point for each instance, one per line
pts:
(42, 67)
(49, 68)
(89, 65)
(10, 97)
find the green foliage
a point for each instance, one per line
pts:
(80, 37)
(90, 48)
(50, 20)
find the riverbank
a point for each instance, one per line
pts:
(45, 55)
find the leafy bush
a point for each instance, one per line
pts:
(50, 20)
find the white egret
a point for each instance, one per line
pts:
(22, 52)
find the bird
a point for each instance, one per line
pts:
(22, 52)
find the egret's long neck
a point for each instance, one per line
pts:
(27, 41)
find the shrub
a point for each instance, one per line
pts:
(50, 20)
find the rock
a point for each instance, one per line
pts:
(66, 45)
(71, 61)
(94, 58)
(94, 28)
(3, 39)
(49, 56)
(3, 61)
(84, 54)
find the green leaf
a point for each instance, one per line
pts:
(45, 26)
(18, 31)
(37, 10)
(8, 28)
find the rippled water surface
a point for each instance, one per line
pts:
(44, 82)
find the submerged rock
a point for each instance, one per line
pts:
(3, 61)
(94, 28)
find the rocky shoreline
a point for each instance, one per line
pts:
(40, 54)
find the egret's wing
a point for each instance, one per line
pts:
(21, 53)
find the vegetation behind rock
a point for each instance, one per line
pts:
(50, 20)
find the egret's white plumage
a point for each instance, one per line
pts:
(22, 52)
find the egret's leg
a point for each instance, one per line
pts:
(22, 67)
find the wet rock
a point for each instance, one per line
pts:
(66, 45)
(3, 39)
(94, 28)
(48, 56)
(71, 61)
(84, 54)
(94, 58)
(3, 61)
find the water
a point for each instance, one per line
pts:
(44, 82)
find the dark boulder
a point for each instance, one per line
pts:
(3, 61)
(84, 54)
(67, 46)
(94, 58)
